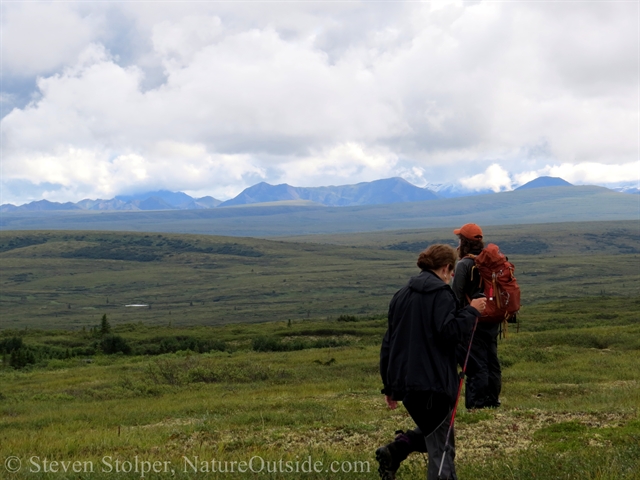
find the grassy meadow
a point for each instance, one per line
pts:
(70, 279)
(230, 363)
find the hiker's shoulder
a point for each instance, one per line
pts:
(466, 262)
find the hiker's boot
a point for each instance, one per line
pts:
(475, 397)
(387, 468)
(391, 455)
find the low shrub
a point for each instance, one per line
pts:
(272, 344)
(111, 344)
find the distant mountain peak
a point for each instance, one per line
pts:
(40, 206)
(545, 182)
(383, 191)
(174, 199)
(159, 200)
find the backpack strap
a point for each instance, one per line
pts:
(474, 268)
(471, 279)
(504, 327)
(495, 291)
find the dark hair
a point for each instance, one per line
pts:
(436, 257)
(468, 246)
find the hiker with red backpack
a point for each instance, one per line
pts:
(418, 363)
(485, 271)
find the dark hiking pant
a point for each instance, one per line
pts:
(432, 413)
(483, 376)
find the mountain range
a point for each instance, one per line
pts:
(303, 217)
(378, 192)
(160, 200)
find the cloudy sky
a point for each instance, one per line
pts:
(107, 98)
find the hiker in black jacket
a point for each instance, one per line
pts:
(483, 377)
(418, 361)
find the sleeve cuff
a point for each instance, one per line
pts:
(474, 311)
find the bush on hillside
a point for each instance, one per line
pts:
(111, 344)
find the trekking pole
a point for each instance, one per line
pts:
(455, 407)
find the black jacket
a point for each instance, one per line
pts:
(466, 281)
(418, 350)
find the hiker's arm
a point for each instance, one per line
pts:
(479, 304)
(453, 325)
(384, 362)
(384, 350)
(391, 403)
(459, 280)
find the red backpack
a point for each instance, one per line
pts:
(498, 284)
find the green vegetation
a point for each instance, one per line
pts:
(570, 399)
(204, 280)
(84, 379)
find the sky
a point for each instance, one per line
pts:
(106, 98)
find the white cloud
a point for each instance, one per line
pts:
(314, 93)
(79, 173)
(494, 178)
(587, 173)
(179, 42)
(40, 37)
(340, 165)
(498, 178)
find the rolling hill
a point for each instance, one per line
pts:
(70, 279)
